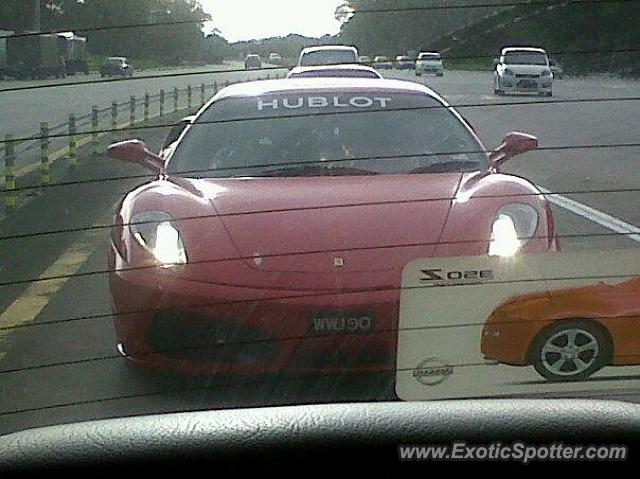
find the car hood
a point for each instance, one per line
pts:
(578, 296)
(321, 225)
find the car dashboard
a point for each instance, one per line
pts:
(344, 439)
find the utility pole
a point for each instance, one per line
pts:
(36, 15)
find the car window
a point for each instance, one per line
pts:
(327, 57)
(335, 73)
(525, 58)
(426, 135)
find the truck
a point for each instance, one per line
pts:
(73, 49)
(3, 52)
(34, 56)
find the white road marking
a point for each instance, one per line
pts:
(599, 217)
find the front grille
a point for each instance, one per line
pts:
(523, 75)
(527, 84)
(203, 338)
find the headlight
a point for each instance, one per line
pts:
(508, 71)
(491, 331)
(513, 228)
(545, 73)
(157, 232)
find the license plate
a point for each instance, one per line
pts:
(331, 322)
(527, 84)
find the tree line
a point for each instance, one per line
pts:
(169, 43)
(607, 27)
(394, 27)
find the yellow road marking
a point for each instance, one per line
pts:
(26, 308)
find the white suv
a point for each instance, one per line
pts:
(522, 70)
(429, 62)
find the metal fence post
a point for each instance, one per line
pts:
(94, 132)
(175, 99)
(45, 171)
(161, 103)
(226, 82)
(114, 121)
(146, 108)
(189, 96)
(73, 157)
(215, 87)
(9, 175)
(132, 111)
(203, 98)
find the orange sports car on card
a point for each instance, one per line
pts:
(567, 334)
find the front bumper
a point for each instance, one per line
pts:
(166, 323)
(115, 71)
(508, 342)
(434, 70)
(515, 84)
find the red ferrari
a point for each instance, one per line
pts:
(283, 213)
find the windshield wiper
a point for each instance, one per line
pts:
(317, 171)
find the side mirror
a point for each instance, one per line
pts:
(513, 144)
(136, 151)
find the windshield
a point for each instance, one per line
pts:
(328, 57)
(525, 58)
(341, 72)
(183, 227)
(421, 139)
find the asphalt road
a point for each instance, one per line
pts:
(69, 371)
(53, 100)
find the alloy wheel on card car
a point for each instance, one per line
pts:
(571, 351)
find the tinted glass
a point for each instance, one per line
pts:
(525, 58)
(328, 57)
(405, 133)
(335, 73)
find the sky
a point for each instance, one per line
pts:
(255, 19)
